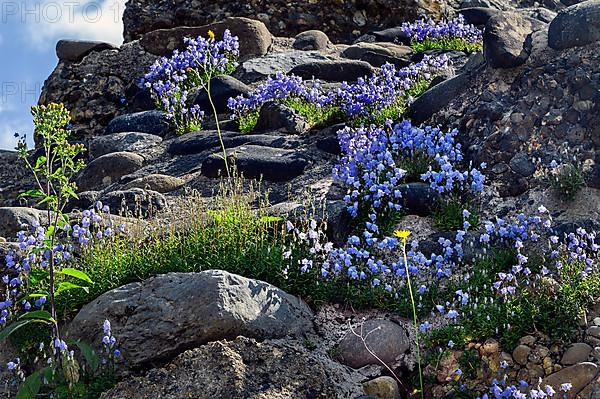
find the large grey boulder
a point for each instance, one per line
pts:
(135, 201)
(125, 141)
(151, 122)
(245, 369)
(334, 71)
(578, 375)
(255, 39)
(507, 40)
(222, 88)
(15, 219)
(388, 340)
(156, 182)
(274, 116)
(577, 25)
(108, 169)
(76, 50)
(311, 40)
(157, 319)
(260, 68)
(255, 161)
(209, 139)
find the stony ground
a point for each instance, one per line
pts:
(530, 98)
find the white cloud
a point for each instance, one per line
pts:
(74, 19)
(4, 108)
(7, 137)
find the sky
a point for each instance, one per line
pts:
(29, 31)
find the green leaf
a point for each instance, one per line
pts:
(49, 198)
(12, 328)
(50, 231)
(36, 295)
(40, 161)
(67, 286)
(32, 194)
(270, 219)
(39, 315)
(70, 192)
(78, 274)
(90, 355)
(32, 384)
(36, 276)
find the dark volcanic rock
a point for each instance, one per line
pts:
(275, 116)
(15, 219)
(157, 182)
(261, 68)
(327, 139)
(284, 18)
(222, 88)
(479, 15)
(95, 89)
(126, 141)
(440, 95)
(379, 54)
(522, 165)
(254, 161)
(419, 198)
(507, 40)
(108, 169)
(594, 179)
(195, 143)
(75, 50)
(333, 71)
(152, 122)
(395, 34)
(577, 25)
(311, 40)
(135, 201)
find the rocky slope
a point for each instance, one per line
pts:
(532, 97)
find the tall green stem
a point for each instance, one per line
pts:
(414, 309)
(49, 170)
(212, 104)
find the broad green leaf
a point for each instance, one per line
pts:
(39, 315)
(78, 274)
(37, 275)
(70, 192)
(12, 328)
(49, 198)
(30, 388)
(50, 231)
(40, 161)
(90, 355)
(67, 286)
(32, 194)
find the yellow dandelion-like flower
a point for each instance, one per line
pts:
(403, 234)
(211, 34)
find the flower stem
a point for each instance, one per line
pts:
(414, 309)
(218, 126)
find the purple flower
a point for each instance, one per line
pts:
(13, 365)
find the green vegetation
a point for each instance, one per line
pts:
(568, 180)
(449, 214)
(447, 43)
(552, 306)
